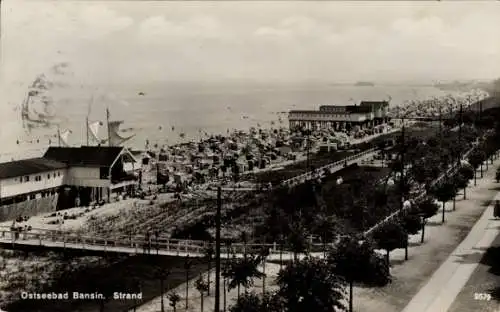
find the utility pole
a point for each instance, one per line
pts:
(109, 129)
(87, 118)
(87, 128)
(217, 249)
(59, 136)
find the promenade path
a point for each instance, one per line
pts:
(446, 283)
(480, 293)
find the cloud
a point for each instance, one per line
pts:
(289, 41)
(203, 27)
(100, 21)
(36, 35)
(299, 27)
(272, 32)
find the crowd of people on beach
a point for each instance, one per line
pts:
(223, 159)
(436, 106)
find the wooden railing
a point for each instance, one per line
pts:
(311, 175)
(420, 195)
(157, 245)
(161, 246)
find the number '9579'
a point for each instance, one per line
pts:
(482, 296)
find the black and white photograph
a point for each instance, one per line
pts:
(249, 156)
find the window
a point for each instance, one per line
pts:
(26, 178)
(48, 176)
(58, 173)
(54, 174)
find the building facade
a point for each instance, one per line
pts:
(30, 179)
(71, 176)
(367, 114)
(95, 172)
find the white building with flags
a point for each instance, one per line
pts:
(64, 177)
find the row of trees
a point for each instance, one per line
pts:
(362, 203)
(324, 210)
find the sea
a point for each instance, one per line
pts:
(165, 114)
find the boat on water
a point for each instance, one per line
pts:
(364, 84)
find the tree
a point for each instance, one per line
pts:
(465, 173)
(461, 183)
(224, 272)
(297, 240)
(236, 173)
(251, 302)
(411, 223)
(162, 274)
(248, 303)
(390, 236)
(444, 192)
(476, 159)
(174, 299)
(187, 266)
(274, 225)
(326, 228)
(310, 285)
(202, 287)
(426, 208)
(209, 253)
(264, 253)
(244, 239)
(241, 272)
(426, 170)
(351, 259)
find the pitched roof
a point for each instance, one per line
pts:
(98, 156)
(28, 166)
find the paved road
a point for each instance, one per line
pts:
(479, 292)
(446, 283)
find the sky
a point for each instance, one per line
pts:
(285, 41)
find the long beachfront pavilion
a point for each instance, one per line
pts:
(366, 114)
